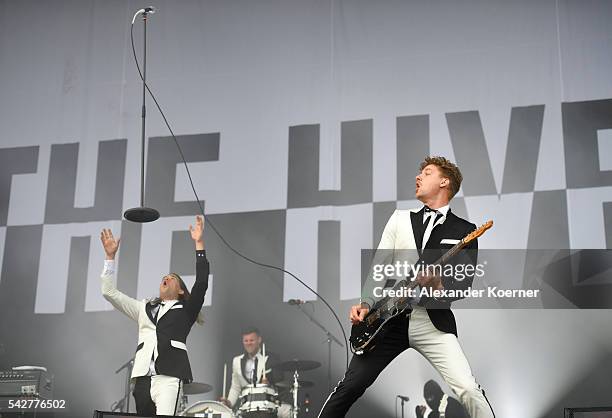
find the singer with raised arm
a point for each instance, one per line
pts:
(161, 365)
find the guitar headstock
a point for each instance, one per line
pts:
(477, 232)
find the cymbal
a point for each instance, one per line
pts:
(194, 388)
(300, 365)
(289, 385)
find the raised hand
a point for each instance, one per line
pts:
(420, 410)
(197, 233)
(110, 244)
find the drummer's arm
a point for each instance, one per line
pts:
(234, 391)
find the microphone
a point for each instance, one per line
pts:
(295, 302)
(403, 398)
(146, 11)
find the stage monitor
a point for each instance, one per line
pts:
(104, 414)
(594, 412)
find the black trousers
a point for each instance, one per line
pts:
(142, 396)
(364, 369)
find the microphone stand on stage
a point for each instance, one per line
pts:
(142, 213)
(125, 401)
(330, 337)
(403, 399)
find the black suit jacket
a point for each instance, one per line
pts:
(167, 334)
(175, 324)
(453, 227)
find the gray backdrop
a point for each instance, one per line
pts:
(304, 123)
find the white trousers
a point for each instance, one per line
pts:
(166, 392)
(444, 353)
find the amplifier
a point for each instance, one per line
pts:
(31, 383)
(594, 412)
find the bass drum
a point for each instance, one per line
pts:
(258, 402)
(208, 409)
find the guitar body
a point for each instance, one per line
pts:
(365, 333)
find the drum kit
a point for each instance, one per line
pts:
(256, 400)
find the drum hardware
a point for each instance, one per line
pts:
(208, 409)
(301, 365)
(296, 388)
(296, 366)
(289, 385)
(195, 388)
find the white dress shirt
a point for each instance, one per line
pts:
(430, 217)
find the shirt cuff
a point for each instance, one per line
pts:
(200, 254)
(109, 267)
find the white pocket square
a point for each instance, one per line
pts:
(449, 241)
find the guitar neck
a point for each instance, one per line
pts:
(391, 301)
(450, 253)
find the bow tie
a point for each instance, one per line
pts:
(430, 214)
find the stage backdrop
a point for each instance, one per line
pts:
(304, 123)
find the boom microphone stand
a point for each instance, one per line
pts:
(142, 213)
(329, 340)
(126, 394)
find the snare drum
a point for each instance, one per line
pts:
(259, 401)
(208, 409)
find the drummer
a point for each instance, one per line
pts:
(249, 367)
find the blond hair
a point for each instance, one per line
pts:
(448, 169)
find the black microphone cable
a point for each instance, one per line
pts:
(207, 220)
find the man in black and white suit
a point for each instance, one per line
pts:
(249, 366)
(430, 327)
(161, 365)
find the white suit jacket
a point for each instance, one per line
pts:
(398, 235)
(135, 309)
(239, 382)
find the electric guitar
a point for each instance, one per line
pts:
(387, 308)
